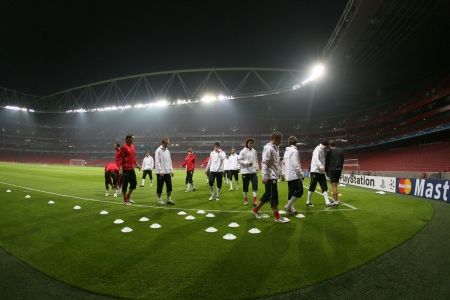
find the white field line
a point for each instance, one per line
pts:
(346, 204)
(157, 207)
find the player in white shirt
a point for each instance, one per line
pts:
(226, 169)
(270, 172)
(147, 167)
(164, 172)
(233, 169)
(248, 160)
(215, 169)
(317, 174)
(293, 174)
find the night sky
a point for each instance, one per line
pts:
(53, 45)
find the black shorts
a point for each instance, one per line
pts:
(215, 176)
(160, 180)
(145, 172)
(233, 173)
(334, 175)
(110, 179)
(271, 193)
(128, 177)
(295, 188)
(189, 175)
(247, 178)
(321, 179)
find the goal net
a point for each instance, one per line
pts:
(78, 162)
(351, 166)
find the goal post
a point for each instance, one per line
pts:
(351, 166)
(78, 162)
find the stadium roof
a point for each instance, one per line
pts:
(377, 50)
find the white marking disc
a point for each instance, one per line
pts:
(126, 229)
(51, 202)
(118, 221)
(182, 213)
(190, 217)
(155, 226)
(229, 237)
(265, 216)
(381, 192)
(201, 211)
(104, 212)
(300, 216)
(77, 207)
(8, 191)
(210, 215)
(254, 231)
(211, 229)
(342, 185)
(27, 196)
(233, 225)
(144, 219)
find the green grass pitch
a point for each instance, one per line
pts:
(180, 260)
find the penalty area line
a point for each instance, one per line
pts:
(157, 207)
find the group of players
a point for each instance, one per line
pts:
(327, 159)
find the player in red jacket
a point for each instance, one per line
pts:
(126, 168)
(111, 176)
(117, 161)
(189, 163)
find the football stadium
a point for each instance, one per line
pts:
(225, 150)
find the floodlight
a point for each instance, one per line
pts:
(208, 98)
(317, 71)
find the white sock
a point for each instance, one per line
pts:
(308, 200)
(143, 182)
(159, 198)
(231, 184)
(169, 198)
(188, 186)
(325, 196)
(254, 194)
(218, 192)
(237, 185)
(245, 194)
(211, 189)
(291, 202)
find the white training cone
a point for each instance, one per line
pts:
(300, 216)
(182, 213)
(381, 192)
(104, 212)
(229, 237)
(27, 196)
(118, 221)
(144, 219)
(233, 225)
(8, 191)
(51, 202)
(254, 231)
(155, 226)
(265, 216)
(190, 217)
(126, 229)
(210, 215)
(211, 229)
(77, 207)
(201, 212)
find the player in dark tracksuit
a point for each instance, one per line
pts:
(334, 163)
